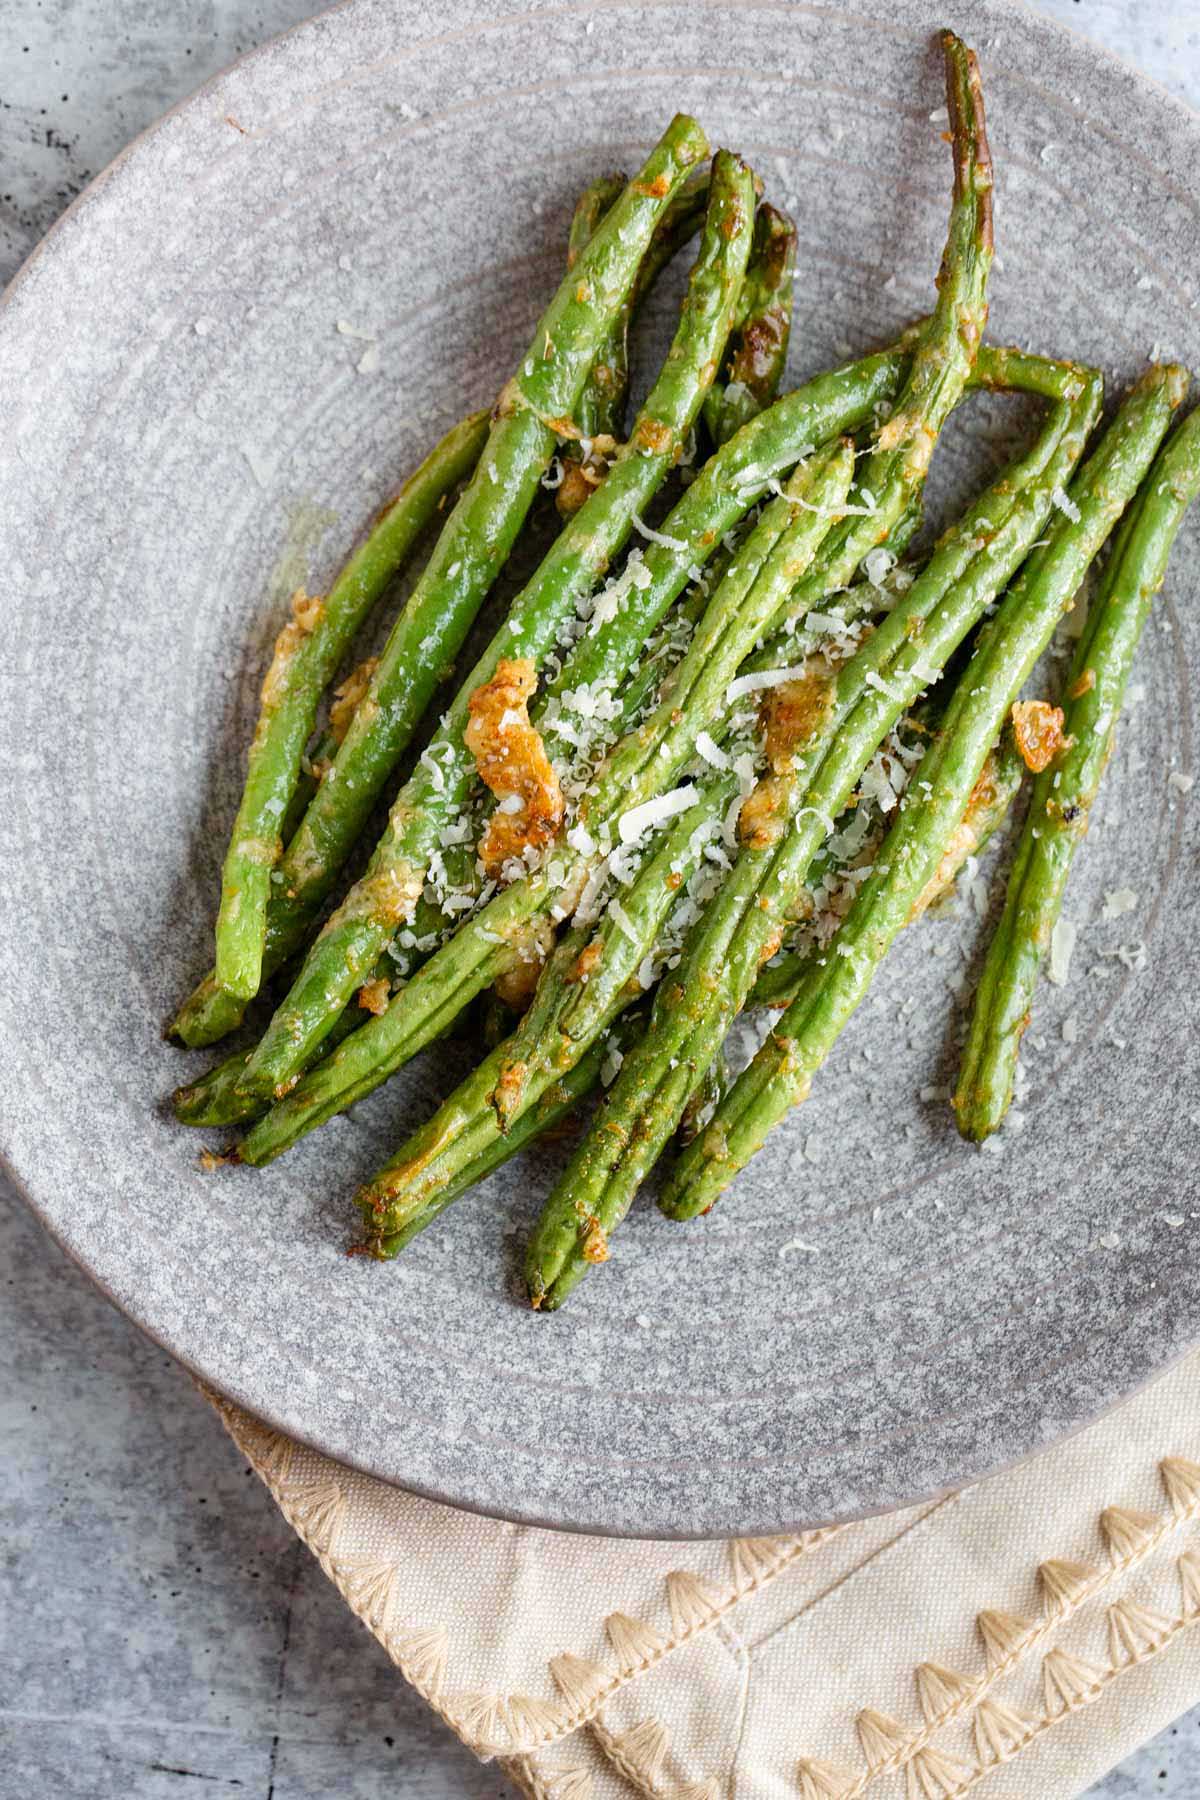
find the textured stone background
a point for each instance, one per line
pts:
(161, 1622)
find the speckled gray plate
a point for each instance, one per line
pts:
(217, 365)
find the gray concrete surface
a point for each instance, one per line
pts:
(160, 1623)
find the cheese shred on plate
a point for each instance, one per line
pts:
(1062, 943)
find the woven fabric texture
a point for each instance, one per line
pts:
(1018, 1637)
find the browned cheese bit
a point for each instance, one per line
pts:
(512, 761)
(1038, 732)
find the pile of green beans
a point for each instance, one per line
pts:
(708, 697)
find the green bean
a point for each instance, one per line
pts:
(365, 922)
(490, 940)
(1064, 791)
(531, 412)
(782, 1072)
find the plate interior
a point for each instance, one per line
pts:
(226, 356)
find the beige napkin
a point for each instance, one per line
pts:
(1019, 1637)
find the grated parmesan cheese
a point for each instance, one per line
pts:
(847, 508)
(766, 678)
(610, 1068)
(876, 565)
(1065, 504)
(586, 909)
(830, 622)
(656, 537)
(1117, 902)
(640, 819)
(1062, 943)
(622, 920)
(711, 751)
(436, 772)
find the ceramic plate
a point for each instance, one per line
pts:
(221, 361)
